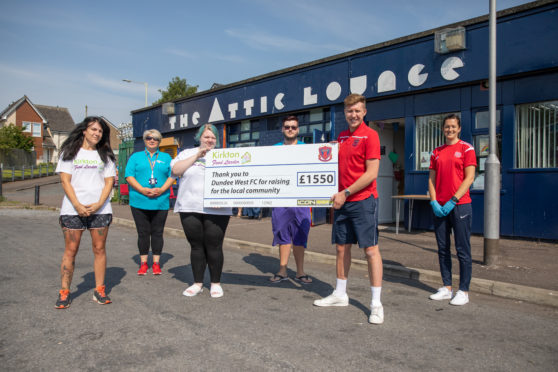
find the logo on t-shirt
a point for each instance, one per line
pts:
(356, 141)
(458, 154)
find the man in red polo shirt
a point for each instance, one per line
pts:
(356, 206)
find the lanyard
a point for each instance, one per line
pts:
(151, 163)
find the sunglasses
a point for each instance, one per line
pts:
(149, 138)
(287, 127)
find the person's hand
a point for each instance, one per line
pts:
(156, 192)
(338, 199)
(448, 207)
(81, 210)
(202, 150)
(437, 209)
(92, 208)
(147, 191)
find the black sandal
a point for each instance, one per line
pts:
(277, 278)
(304, 279)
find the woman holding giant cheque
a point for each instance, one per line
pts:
(87, 170)
(149, 174)
(452, 171)
(204, 227)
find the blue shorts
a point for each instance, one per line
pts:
(290, 226)
(75, 222)
(356, 222)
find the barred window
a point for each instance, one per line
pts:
(428, 136)
(536, 138)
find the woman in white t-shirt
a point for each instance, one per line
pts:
(204, 227)
(87, 171)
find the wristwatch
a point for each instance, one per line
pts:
(347, 193)
(454, 199)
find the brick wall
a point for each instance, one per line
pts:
(25, 112)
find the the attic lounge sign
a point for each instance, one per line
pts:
(386, 82)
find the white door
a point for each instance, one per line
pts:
(385, 174)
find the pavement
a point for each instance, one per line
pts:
(255, 326)
(526, 269)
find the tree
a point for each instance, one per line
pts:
(178, 88)
(12, 137)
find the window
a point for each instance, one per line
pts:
(307, 121)
(245, 133)
(33, 128)
(429, 135)
(535, 136)
(481, 141)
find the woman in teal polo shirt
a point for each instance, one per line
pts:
(149, 174)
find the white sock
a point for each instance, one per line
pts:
(341, 287)
(376, 294)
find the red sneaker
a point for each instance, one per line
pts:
(143, 268)
(156, 268)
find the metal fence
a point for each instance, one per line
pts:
(10, 174)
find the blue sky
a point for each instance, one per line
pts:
(76, 53)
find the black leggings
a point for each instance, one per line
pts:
(150, 225)
(205, 233)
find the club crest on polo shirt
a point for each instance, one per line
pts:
(458, 154)
(325, 153)
(356, 141)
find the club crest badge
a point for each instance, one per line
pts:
(325, 153)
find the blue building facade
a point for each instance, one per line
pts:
(410, 86)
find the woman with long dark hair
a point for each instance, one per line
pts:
(204, 227)
(87, 172)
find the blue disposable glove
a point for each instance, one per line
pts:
(437, 208)
(448, 207)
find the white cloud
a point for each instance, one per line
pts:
(258, 39)
(204, 55)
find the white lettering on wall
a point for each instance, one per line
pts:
(415, 78)
(358, 84)
(248, 104)
(386, 81)
(183, 120)
(279, 101)
(232, 110)
(448, 68)
(308, 97)
(216, 113)
(333, 91)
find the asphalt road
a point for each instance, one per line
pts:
(256, 326)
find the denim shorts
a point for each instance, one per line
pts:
(75, 222)
(356, 222)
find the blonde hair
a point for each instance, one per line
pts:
(353, 99)
(153, 133)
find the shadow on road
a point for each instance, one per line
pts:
(113, 277)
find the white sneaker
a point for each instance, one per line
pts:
(376, 315)
(442, 294)
(333, 300)
(461, 298)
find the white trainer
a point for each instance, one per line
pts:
(376, 315)
(460, 299)
(442, 294)
(333, 300)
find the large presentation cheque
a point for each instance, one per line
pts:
(271, 176)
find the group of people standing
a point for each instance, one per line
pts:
(87, 171)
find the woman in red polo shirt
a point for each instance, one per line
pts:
(452, 171)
